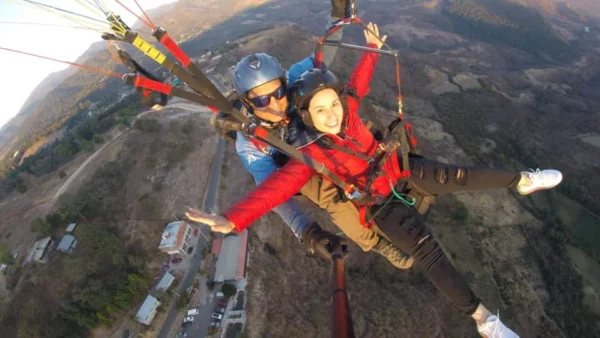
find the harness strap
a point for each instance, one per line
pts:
(262, 134)
(326, 142)
(263, 147)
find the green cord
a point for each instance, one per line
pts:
(402, 199)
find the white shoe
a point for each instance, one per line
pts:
(538, 180)
(493, 328)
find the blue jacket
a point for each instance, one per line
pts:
(260, 163)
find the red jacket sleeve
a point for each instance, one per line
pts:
(363, 72)
(276, 189)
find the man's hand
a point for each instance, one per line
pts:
(322, 242)
(342, 9)
(372, 35)
(216, 223)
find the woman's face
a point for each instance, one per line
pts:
(326, 111)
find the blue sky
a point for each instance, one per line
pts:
(23, 73)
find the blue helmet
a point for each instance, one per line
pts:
(255, 70)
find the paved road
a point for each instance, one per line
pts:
(202, 320)
(215, 172)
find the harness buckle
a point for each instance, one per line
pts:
(353, 195)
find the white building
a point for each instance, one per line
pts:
(71, 227)
(67, 244)
(176, 238)
(41, 250)
(147, 311)
(165, 282)
(232, 257)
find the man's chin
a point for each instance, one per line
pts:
(272, 117)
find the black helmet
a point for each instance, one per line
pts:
(308, 84)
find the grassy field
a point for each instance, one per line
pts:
(591, 139)
(590, 270)
(583, 225)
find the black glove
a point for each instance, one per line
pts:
(342, 9)
(322, 242)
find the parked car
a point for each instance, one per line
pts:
(196, 232)
(188, 319)
(222, 303)
(193, 312)
(186, 324)
(217, 316)
(215, 324)
(176, 260)
(190, 249)
(220, 310)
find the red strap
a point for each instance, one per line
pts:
(146, 92)
(156, 86)
(409, 130)
(175, 50)
(261, 132)
(260, 145)
(362, 212)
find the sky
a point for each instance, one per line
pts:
(21, 74)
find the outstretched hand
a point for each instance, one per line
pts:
(216, 223)
(372, 35)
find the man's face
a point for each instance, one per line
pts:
(276, 110)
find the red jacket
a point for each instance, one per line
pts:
(289, 179)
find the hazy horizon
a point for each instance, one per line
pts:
(24, 73)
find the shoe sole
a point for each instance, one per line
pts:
(538, 189)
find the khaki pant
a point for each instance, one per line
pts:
(343, 214)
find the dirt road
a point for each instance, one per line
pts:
(185, 106)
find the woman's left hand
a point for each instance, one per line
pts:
(372, 35)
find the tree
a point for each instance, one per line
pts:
(461, 213)
(21, 188)
(40, 226)
(5, 255)
(147, 125)
(188, 127)
(62, 174)
(182, 301)
(55, 220)
(229, 290)
(98, 138)
(87, 146)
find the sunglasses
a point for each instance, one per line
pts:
(264, 100)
